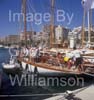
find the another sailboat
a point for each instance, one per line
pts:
(13, 67)
(1, 46)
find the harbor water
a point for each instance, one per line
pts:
(30, 92)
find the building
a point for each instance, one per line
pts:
(58, 34)
(65, 31)
(78, 31)
(12, 39)
(0, 40)
(75, 37)
(28, 35)
(47, 29)
(40, 37)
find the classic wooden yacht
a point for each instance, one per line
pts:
(48, 63)
(45, 65)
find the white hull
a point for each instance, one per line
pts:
(6, 47)
(42, 71)
(30, 67)
(1, 46)
(11, 68)
(49, 72)
(8, 66)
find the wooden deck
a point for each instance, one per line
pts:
(50, 67)
(88, 65)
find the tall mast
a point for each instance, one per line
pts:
(83, 30)
(52, 26)
(90, 23)
(88, 16)
(25, 22)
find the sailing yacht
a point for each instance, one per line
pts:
(49, 63)
(49, 68)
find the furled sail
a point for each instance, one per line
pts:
(88, 4)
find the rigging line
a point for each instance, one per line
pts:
(46, 5)
(29, 12)
(34, 11)
(21, 20)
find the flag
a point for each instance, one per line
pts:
(88, 4)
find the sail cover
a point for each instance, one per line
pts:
(88, 4)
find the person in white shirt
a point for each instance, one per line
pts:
(77, 58)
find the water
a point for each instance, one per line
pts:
(8, 89)
(4, 56)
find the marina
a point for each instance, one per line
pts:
(57, 62)
(49, 57)
(43, 91)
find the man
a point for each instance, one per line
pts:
(77, 58)
(37, 54)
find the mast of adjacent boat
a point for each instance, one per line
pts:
(52, 24)
(89, 19)
(89, 25)
(25, 22)
(83, 36)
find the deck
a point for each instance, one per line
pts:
(51, 67)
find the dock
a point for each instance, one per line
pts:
(0, 77)
(86, 93)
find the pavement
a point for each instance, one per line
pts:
(86, 93)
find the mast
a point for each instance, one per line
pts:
(83, 35)
(52, 26)
(90, 23)
(25, 22)
(88, 14)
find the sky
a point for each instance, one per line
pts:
(72, 11)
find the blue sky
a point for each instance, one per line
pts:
(39, 6)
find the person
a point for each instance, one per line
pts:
(37, 54)
(32, 54)
(77, 59)
(22, 52)
(17, 52)
(26, 52)
(57, 60)
(70, 63)
(67, 58)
